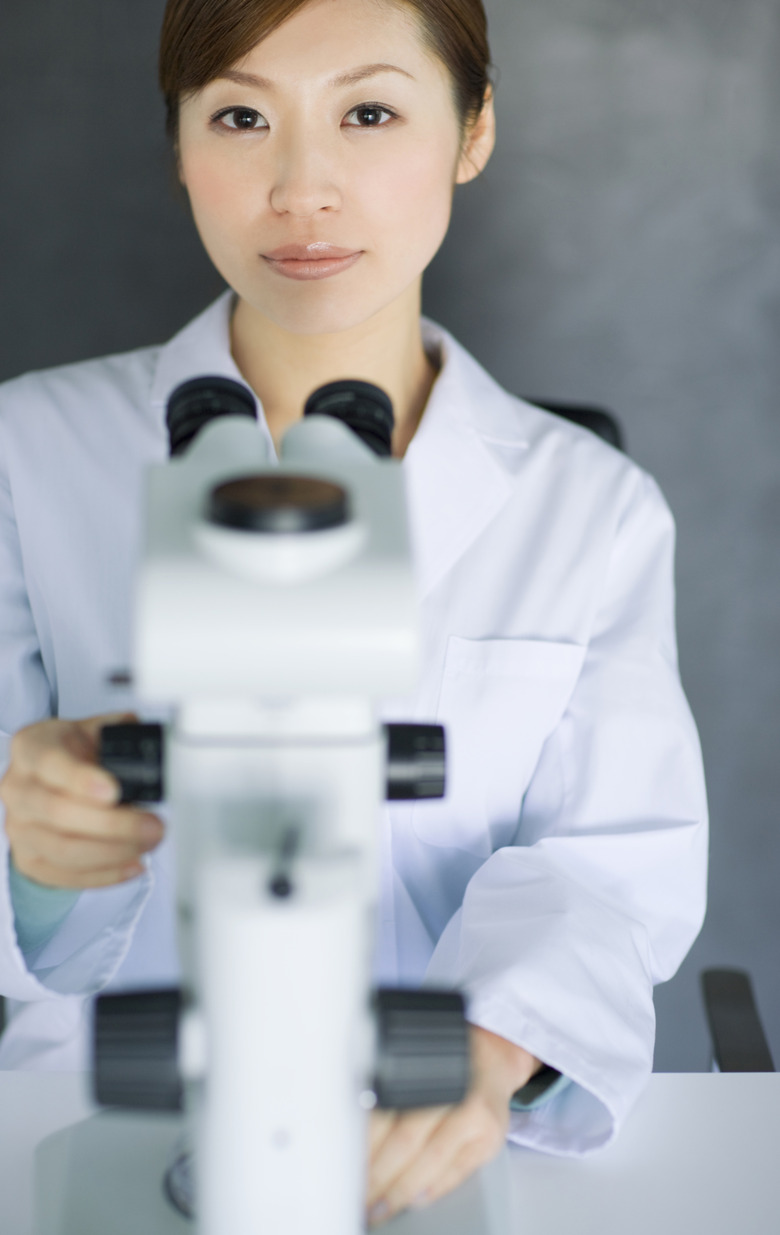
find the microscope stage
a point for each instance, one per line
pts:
(104, 1176)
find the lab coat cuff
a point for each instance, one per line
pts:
(87, 951)
(581, 1116)
(79, 959)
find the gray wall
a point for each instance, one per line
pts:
(623, 247)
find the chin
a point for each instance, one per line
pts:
(316, 319)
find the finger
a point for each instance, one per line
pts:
(29, 802)
(380, 1126)
(408, 1135)
(470, 1159)
(59, 768)
(432, 1159)
(72, 852)
(470, 1132)
(51, 876)
(63, 755)
(92, 725)
(80, 736)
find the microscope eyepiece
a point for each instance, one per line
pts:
(202, 399)
(363, 408)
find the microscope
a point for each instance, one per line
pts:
(275, 610)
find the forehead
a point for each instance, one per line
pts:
(326, 39)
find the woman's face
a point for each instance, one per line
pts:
(368, 166)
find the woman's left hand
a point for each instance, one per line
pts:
(418, 1156)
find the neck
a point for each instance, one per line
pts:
(283, 368)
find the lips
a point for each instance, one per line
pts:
(317, 251)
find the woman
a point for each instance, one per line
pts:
(320, 142)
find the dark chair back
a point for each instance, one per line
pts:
(597, 419)
(738, 1040)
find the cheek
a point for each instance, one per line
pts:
(219, 192)
(414, 198)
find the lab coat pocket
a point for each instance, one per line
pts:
(499, 701)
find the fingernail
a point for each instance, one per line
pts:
(104, 790)
(422, 1200)
(132, 872)
(377, 1212)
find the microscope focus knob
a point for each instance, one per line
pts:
(423, 1055)
(416, 762)
(136, 1050)
(134, 755)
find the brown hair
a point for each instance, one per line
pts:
(202, 38)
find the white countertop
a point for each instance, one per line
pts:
(699, 1156)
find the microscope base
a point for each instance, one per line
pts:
(104, 1176)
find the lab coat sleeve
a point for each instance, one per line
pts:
(90, 946)
(561, 936)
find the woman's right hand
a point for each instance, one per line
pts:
(63, 823)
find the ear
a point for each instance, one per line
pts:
(479, 143)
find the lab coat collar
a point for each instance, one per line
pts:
(201, 348)
(460, 462)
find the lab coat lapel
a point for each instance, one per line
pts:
(201, 349)
(460, 462)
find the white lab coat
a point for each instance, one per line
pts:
(565, 872)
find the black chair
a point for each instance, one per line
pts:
(597, 419)
(738, 1040)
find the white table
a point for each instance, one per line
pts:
(700, 1156)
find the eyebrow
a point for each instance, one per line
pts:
(344, 79)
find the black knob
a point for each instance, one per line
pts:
(195, 403)
(134, 755)
(423, 1056)
(136, 1050)
(363, 407)
(416, 762)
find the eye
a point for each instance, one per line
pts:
(239, 119)
(371, 113)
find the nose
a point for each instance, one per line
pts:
(305, 179)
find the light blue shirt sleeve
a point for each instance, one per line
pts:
(38, 911)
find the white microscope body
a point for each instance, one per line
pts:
(276, 649)
(273, 613)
